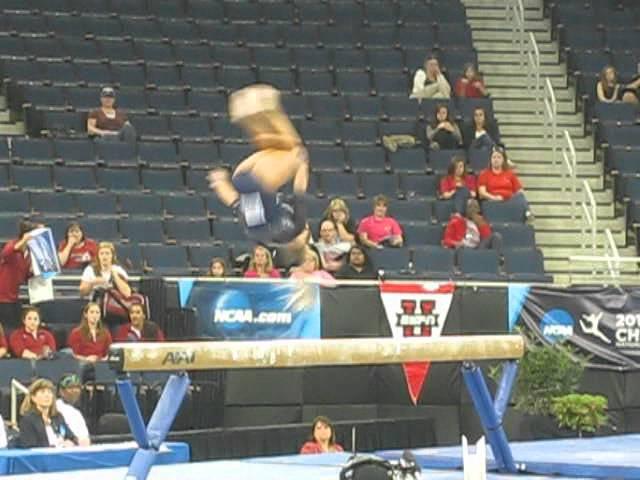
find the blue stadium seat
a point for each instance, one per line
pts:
(376, 183)
(158, 154)
(316, 82)
(117, 154)
(201, 77)
(208, 103)
(130, 257)
(325, 158)
(283, 80)
(178, 30)
(78, 152)
(22, 70)
(502, 212)
(166, 9)
(192, 128)
(347, 13)
(366, 159)
(218, 34)
(386, 59)
(320, 131)
(167, 101)
(228, 230)
(339, 184)
(177, 205)
(50, 203)
(150, 127)
(525, 265)
(190, 231)
(349, 59)
(478, 159)
(201, 255)
(398, 128)
(225, 131)
(117, 51)
(141, 29)
(216, 209)
(365, 107)
(434, 262)
(412, 160)
(75, 178)
(118, 179)
(233, 56)
(43, 48)
(479, 264)
(380, 13)
(163, 76)
(161, 180)
(401, 108)
(391, 83)
(440, 160)
(418, 210)
(205, 9)
(166, 259)
(349, 83)
(623, 160)
(31, 177)
(199, 155)
(196, 55)
(104, 229)
(14, 203)
(269, 35)
(43, 96)
(64, 123)
(141, 205)
(132, 96)
(197, 181)
(516, 235)
(8, 228)
(391, 260)
(140, 230)
(421, 37)
(311, 12)
(466, 106)
(360, 133)
(615, 112)
(32, 151)
(419, 185)
(99, 204)
(296, 106)
(60, 73)
(421, 234)
(340, 37)
(327, 107)
(309, 59)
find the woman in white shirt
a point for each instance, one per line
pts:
(104, 273)
(430, 81)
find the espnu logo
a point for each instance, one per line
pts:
(416, 323)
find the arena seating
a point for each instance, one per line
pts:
(345, 69)
(595, 35)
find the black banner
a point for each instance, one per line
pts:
(602, 322)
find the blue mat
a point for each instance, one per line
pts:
(612, 457)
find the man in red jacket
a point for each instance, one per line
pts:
(140, 329)
(15, 269)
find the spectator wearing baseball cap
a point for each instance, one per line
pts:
(109, 122)
(69, 391)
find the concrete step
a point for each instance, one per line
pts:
(564, 266)
(493, 80)
(521, 155)
(508, 45)
(563, 210)
(506, 34)
(572, 237)
(575, 224)
(561, 197)
(564, 119)
(577, 279)
(499, 4)
(563, 253)
(5, 116)
(511, 93)
(500, 25)
(528, 105)
(513, 57)
(12, 128)
(516, 130)
(553, 182)
(586, 170)
(3, 102)
(513, 70)
(538, 142)
(486, 13)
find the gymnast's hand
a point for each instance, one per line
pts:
(216, 176)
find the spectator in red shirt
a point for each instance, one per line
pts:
(458, 185)
(499, 183)
(4, 347)
(90, 341)
(471, 230)
(261, 264)
(139, 329)
(76, 251)
(31, 341)
(470, 85)
(15, 268)
(322, 438)
(379, 230)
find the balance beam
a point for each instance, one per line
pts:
(172, 356)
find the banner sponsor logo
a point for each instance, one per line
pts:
(602, 322)
(179, 358)
(416, 310)
(253, 310)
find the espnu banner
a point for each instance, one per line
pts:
(602, 322)
(253, 311)
(416, 310)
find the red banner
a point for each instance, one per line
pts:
(416, 310)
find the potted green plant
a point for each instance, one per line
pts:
(580, 412)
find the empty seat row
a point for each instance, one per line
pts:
(166, 11)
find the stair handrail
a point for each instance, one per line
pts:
(533, 71)
(571, 163)
(515, 16)
(16, 389)
(612, 255)
(589, 218)
(550, 119)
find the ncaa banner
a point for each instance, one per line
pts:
(416, 310)
(601, 322)
(253, 310)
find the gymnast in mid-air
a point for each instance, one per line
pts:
(253, 188)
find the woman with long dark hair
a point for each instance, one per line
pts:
(322, 438)
(90, 340)
(443, 133)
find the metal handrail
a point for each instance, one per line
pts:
(514, 15)
(612, 255)
(571, 163)
(551, 119)
(533, 70)
(589, 217)
(16, 388)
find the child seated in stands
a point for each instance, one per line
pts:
(31, 341)
(470, 84)
(218, 268)
(139, 328)
(379, 230)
